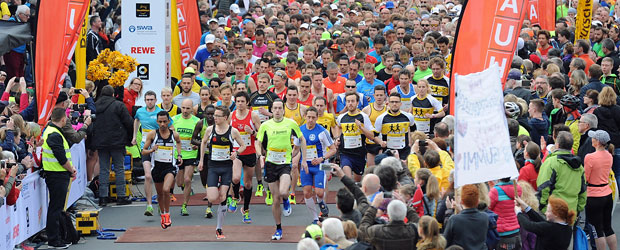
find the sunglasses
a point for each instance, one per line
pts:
(425, 25)
(271, 42)
(350, 86)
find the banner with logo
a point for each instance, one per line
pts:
(146, 37)
(583, 20)
(28, 215)
(479, 112)
(57, 33)
(487, 33)
(542, 13)
(80, 56)
(186, 22)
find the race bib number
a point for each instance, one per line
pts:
(395, 141)
(220, 153)
(262, 117)
(144, 133)
(246, 137)
(423, 124)
(186, 144)
(352, 141)
(163, 154)
(311, 152)
(276, 156)
(406, 103)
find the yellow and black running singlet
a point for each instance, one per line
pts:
(420, 107)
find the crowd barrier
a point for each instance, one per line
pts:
(28, 216)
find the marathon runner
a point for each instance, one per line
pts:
(219, 139)
(199, 133)
(166, 102)
(349, 87)
(146, 118)
(184, 124)
(355, 126)
(275, 138)
(425, 107)
(327, 120)
(294, 111)
(438, 83)
(395, 127)
(405, 89)
(305, 91)
(373, 111)
(164, 141)
(318, 142)
(318, 89)
(247, 123)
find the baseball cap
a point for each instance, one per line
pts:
(323, 13)
(340, 15)
(597, 23)
(221, 21)
(514, 75)
(210, 38)
(62, 96)
(215, 52)
(316, 2)
(600, 135)
(189, 70)
(333, 6)
(313, 231)
(235, 8)
(314, 19)
(389, 5)
(334, 46)
(354, 12)
(326, 36)
(212, 20)
(572, 10)
(304, 26)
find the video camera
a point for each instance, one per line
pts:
(77, 114)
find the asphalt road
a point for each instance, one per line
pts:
(132, 215)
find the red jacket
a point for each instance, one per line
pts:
(504, 207)
(417, 201)
(11, 197)
(129, 98)
(528, 173)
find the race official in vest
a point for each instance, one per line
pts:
(58, 170)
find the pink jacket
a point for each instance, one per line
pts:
(504, 206)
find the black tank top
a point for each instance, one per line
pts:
(200, 112)
(220, 147)
(165, 148)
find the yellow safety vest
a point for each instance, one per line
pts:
(50, 163)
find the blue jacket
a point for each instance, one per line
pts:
(539, 128)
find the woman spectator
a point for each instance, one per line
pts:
(350, 230)
(132, 93)
(591, 100)
(528, 239)
(599, 205)
(467, 229)
(567, 56)
(608, 115)
(553, 233)
(430, 239)
(529, 172)
(578, 79)
(501, 197)
(428, 183)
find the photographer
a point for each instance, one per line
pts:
(11, 174)
(68, 131)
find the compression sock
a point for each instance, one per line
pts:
(312, 208)
(221, 213)
(279, 226)
(235, 188)
(247, 197)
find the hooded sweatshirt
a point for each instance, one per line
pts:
(540, 127)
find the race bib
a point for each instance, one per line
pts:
(262, 117)
(406, 103)
(395, 141)
(246, 137)
(423, 124)
(163, 154)
(276, 156)
(352, 141)
(220, 153)
(144, 133)
(311, 152)
(186, 144)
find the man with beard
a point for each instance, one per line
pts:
(598, 35)
(395, 126)
(186, 91)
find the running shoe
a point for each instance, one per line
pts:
(172, 198)
(286, 208)
(163, 221)
(219, 234)
(259, 190)
(184, 210)
(291, 198)
(324, 209)
(277, 235)
(148, 211)
(268, 199)
(246, 216)
(167, 221)
(232, 205)
(208, 213)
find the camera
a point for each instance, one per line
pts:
(77, 91)
(2, 163)
(387, 194)
(422, 146)
(326, 167)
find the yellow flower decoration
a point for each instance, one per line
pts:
(118, 78)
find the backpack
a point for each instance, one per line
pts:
(492, 234)
(580, 239)
(67, 229)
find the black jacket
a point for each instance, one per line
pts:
(609, 120)
(393, 235)
(549, 235)
(522, 93)
(467, 229)
(585, 145)
(113, 126)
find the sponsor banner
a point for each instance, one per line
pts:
(583, 20)
(146, 37)
(479, 112)
(29, 214)
(54, 49)
(80, 56)
(186, 22)
(487, 33)
(542, 13)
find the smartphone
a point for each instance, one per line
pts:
(422, 143)
(2, 163)
(326, 167)
(77, 91)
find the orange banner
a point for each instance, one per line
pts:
(487, 33)
(189, 30)
(542, 13)
(55, 44)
